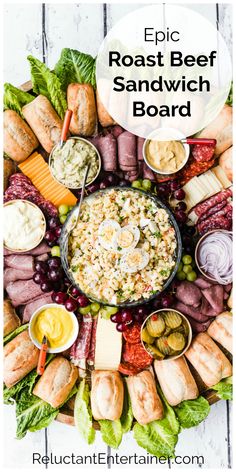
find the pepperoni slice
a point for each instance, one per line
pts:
(132, 334)
(127, 369)
(136, 355)
(203, 152)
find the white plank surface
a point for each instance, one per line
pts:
(81, 26)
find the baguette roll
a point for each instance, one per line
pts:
(19, 139)
(81, 100)
(20, 357)
(56, 382)
(44, 121)
(10, 319)
(104, 118)
(176, 380)
(107, 395)
(146, 403)
(221, 330)
(208, 360)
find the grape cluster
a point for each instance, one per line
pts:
(127, 316)
(54, 230)
(107, 180)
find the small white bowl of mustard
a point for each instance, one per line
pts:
(164, 152)
(60, 326)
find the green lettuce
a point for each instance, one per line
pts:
(12, 394)
(33, 414)
(127, 417)
(229, 100)
(46, 83)
(224, 389)
(14, 333)
(111, 432)
(192, 412)
(15, 99)
(159, 437)
(83, 414)
(75, 67)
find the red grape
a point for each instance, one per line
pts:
(139, 318)
(83, 301)
(53, 222)
(41, 266)
(181, 216)
(113, 179)
(124, 183)
(60, 298)
(157, 303)
(74, 292)
(54, 262)
(181, 206)
(71, 304)
(104, 184)
(46, 286)
(67, 282)
(126, 315)
(93, 187)
(121, 327)
(191, 230)
(179, 194)
(53, 296)
(39, 278)
(174, 185)
(54, 275)
(57, 231)
(50, 236)
(166, 301)
(52, 243)
(163, 191)
(117, 318)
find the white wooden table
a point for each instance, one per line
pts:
(43, 30)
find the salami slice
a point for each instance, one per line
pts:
(203, 207)
(127, 369)
(203, 152)
(136, 355)
(212, 210)
(219, 222)
(80, 348)
(91, 354)
(132, 334)
(194, 168)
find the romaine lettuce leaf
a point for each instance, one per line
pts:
(14, 333)
(46, 83)
(127, 417)
(224, 389)
(111, 432)
(83, 414)
(75, 67)
(192, 412)
(15, 99)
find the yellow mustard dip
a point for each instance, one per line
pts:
(167, 156)
(56, 324)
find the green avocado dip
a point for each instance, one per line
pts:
(68, 163)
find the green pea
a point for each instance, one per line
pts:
(147, 184)
(55, 251)
(95, 307)
(191, 276)
(62, 219)
(187, 259)
(181, 275)
(85, 310)
(136, 184)
(63, 209)
(180, 267)
(187, 268)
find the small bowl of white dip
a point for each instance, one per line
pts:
(69, 162)
(24, 225)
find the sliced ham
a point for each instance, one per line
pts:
(42, 257)
(188, 293)
(20, 262)
(127, 152)
(191, 312)
(11, 275)
(23, 291)
(215, 296)
(30, 308)
(42, 248)
(140, 148)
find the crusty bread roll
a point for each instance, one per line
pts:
(44, 121)
(56, 382)
(19, 139)
(107, 395)
(20, 357)
(81, 100)
(104, 118)
(176, 380)
(208, 360)
(220, 129)
(221, 330)
(226, 162)
(146, 403)
(10, 319)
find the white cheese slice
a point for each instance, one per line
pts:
(195, 193)
(193, 218)
(221, 176)
(108, 345)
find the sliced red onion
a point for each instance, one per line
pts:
(215, 256)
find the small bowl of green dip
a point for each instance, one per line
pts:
(68, 163)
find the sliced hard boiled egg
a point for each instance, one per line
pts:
(134, 260)
(126, 238)
(107, 232)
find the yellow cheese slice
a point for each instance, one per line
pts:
(108, 345)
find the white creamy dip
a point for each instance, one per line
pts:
(24, 225)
